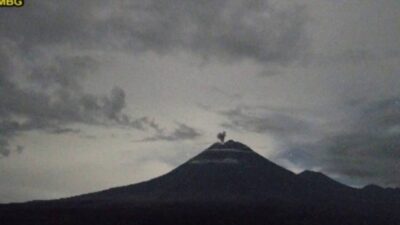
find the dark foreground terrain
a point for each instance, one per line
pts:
(186, 214)
(225, 184)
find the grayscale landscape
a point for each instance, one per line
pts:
(200, 112)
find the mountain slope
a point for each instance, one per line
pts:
(223, 172)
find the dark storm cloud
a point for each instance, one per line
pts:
(59, 97)
(240, 29)
(115, 103)
(51, 23)
(253, 29)
(271, 121)
(364, 146)
(55, 99)
(182, 132)
(24, 110)
(45, 51)
(62, 71)
(371, 145)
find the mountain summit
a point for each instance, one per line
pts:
(227, 183)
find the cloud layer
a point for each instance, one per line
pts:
(362, 146)
(182, 132)
(49, 49)
(258, 30)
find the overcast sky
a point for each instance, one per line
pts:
(96, 94)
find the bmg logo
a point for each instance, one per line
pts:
(11, 3)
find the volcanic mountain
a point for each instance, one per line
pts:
(223, 172)
(228, 183)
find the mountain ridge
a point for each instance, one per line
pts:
(223, 157)
(227, 183)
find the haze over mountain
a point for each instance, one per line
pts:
(227, 183)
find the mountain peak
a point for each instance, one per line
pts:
(228, 153)
(309, 173)
(231, 144)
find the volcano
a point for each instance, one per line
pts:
(227, 183)
(221, 173)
